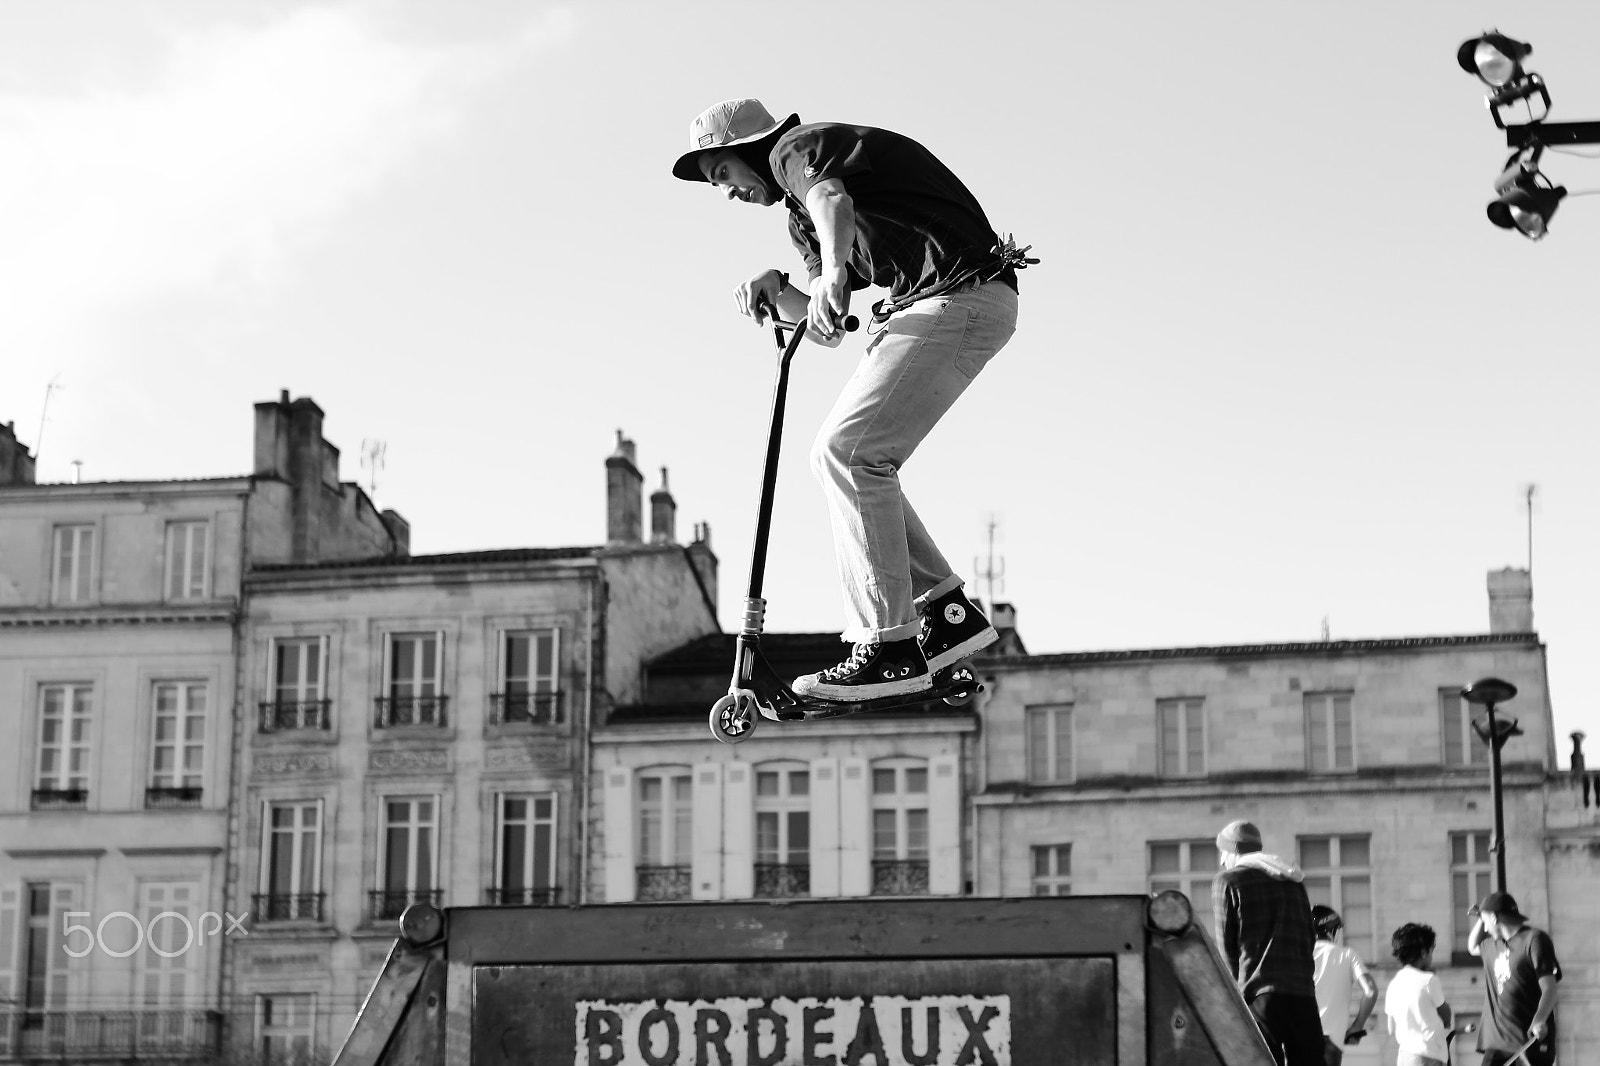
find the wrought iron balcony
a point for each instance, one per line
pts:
(388, 903)
(60, 799)
(410, 710)
(899, 877)
(775, 880)
(540, 707)
(123, 1036)
(281, 715)
(663, 882)
(162, 796)
(546, 896)
(287, 907)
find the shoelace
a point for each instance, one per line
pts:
(859, 655)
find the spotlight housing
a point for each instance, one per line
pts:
(1494, 58)
(1526, 200)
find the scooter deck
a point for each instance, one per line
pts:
(811, 709)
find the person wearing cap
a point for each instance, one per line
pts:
(1520, 972)
(870, 207)
(1336, 969)
(1263, 927)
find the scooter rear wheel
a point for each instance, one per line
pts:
(733, 718)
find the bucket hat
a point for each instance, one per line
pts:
(724, 125)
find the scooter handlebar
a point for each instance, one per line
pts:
(851, 323)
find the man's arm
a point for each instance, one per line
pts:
(834, 214)
(1540, 1024)
(1477, 936)
(1369, 999)
(769, 288)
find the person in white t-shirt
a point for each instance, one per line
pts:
(1419, 1017)
(1338, 969)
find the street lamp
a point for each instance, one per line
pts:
(1494, 732)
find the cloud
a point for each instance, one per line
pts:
(248, 141)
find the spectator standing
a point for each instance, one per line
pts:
(1263, 924)
(1418, 1015)
(1337, 969)
(1520, 974)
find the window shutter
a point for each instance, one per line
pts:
(621, 882)
(63, 973)
(738, 832)
(825, 827)
(944, 825)
(706, 854)
(855, 828)
(10, 909)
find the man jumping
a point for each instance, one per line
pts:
(871, 207)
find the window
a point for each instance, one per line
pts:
(1330, 743)
(665, 823)
(36, 990)
(1187, 866)
(298, 689)
(188, 560)
(1461, 745)
(1471, 864)
(525, 850)
(1052, 870)
(1050, 744)
(285, 1030)
(900, 829)
(291, 867)
(44, 969)
(783, 830)
(178, 754)
(169, 966)
(410, 856)
(412, 690)
(528, 691)
(1339, 875)
(63, 778)
(1182, 728)
(72, 570)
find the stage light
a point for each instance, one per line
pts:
(1495, 58)
(1523, 203)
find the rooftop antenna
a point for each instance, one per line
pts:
(990, 573)
(1528, 492)
(77, 471)
(372, 452)
(38, 442)
(1327, 634)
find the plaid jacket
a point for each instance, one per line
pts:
(1263, 927)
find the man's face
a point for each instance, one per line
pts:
(736, 179)
(1496, 927)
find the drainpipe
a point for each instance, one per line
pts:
(585, 749)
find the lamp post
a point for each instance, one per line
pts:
(1494, 732)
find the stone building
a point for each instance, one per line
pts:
(415, 731)
(119, 626)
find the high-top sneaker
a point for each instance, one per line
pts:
(952, 629)
(892, 668)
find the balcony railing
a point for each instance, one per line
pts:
(387, 903)
(60, 799)
(775, 880)
(410, 710)
(163, 796)
(279, 716)
(546, 896)
(124, 1036)
(540, 707)
(900, 877)
(287, 907)
(663, 882)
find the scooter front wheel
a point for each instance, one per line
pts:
(733, 718)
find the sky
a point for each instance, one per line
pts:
(1275, 371)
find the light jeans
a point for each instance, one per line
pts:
(912, 372)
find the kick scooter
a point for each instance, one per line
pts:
(756, 688)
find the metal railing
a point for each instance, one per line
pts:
(122, 1035)
(539, 707)
(277, 716)
(546, 896)
(162, 796)
(663, 882)
(287, 907)
(777, 880)
(410, 710)
(386, 903)
(60, 799)
(899, 877)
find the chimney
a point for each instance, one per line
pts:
(16, 465)
(1510, 601)
(624, 495)
(704, 560)
(272, 438)
(663, 514)
(399, 531)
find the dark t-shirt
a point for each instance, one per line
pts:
(919, 231)
(1511, 972)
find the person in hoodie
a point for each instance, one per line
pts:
(1263, 926)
